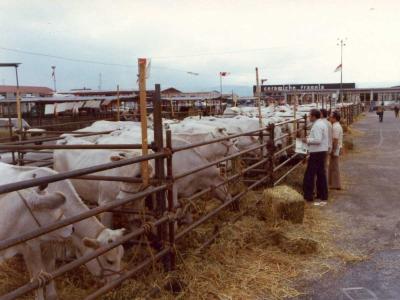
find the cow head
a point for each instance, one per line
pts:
(46, 209)
(107, 265)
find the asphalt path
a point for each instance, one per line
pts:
(369, 207)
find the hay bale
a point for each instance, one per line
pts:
(282, 202)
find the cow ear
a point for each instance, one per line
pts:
(120, 232)
(91, 243)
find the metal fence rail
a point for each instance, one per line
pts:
(263, 166)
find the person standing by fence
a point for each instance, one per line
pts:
(396, 111)
(337, 144)
(318, 145)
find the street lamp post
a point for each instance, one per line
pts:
(341, 43)
(53, 75)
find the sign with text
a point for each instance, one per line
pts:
(303, 87)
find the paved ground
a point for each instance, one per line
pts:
(370, 208)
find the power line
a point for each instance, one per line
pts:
(87, 61)
(67, 58)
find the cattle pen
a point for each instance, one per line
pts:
(263, 166)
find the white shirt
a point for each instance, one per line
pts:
(318, 139)
(330, 129)
(337, 133)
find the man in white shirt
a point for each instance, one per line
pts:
(324, 117)
(334, 172)
(318, 145)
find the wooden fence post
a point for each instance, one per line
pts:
(143, 117)
(171, 227)
(271, 152)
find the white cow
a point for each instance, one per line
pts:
(101, 192)
(100, 126)
(89, 234)
(24, 211)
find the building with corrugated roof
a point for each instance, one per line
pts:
(10, 91)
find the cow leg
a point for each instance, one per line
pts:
(49, 261)
(33, 260)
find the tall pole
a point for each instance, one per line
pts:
(53, 74)
(118, 104)
(220, 84)
(341, 71)
(18, 100)
(100, 82)
(143, 117)
(258, 91)
(341, 43)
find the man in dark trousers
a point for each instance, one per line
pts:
(318, 143)
(396, 111)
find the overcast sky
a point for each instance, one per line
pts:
(290, 41)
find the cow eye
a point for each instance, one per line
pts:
(110, 262)
(110, 241)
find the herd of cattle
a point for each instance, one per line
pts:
(28, 209)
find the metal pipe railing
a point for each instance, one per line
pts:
(218, 161)
(5, 244)
(11, 187)
(35, 284)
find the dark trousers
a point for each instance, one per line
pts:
(315, 169)
(380, 117)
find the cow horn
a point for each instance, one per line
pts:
(50, 201)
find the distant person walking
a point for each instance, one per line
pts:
(318, 145)
(379, 112)
(396, 111)
(337, 144)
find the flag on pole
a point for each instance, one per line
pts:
(338, 68)
(224, 74)
(53, 73)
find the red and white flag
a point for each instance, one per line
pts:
(338, 68)
(224, 74)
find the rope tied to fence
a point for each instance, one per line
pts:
(148, 227)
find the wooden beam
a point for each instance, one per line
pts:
(143, 117)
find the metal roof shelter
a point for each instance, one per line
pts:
(40, 90)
